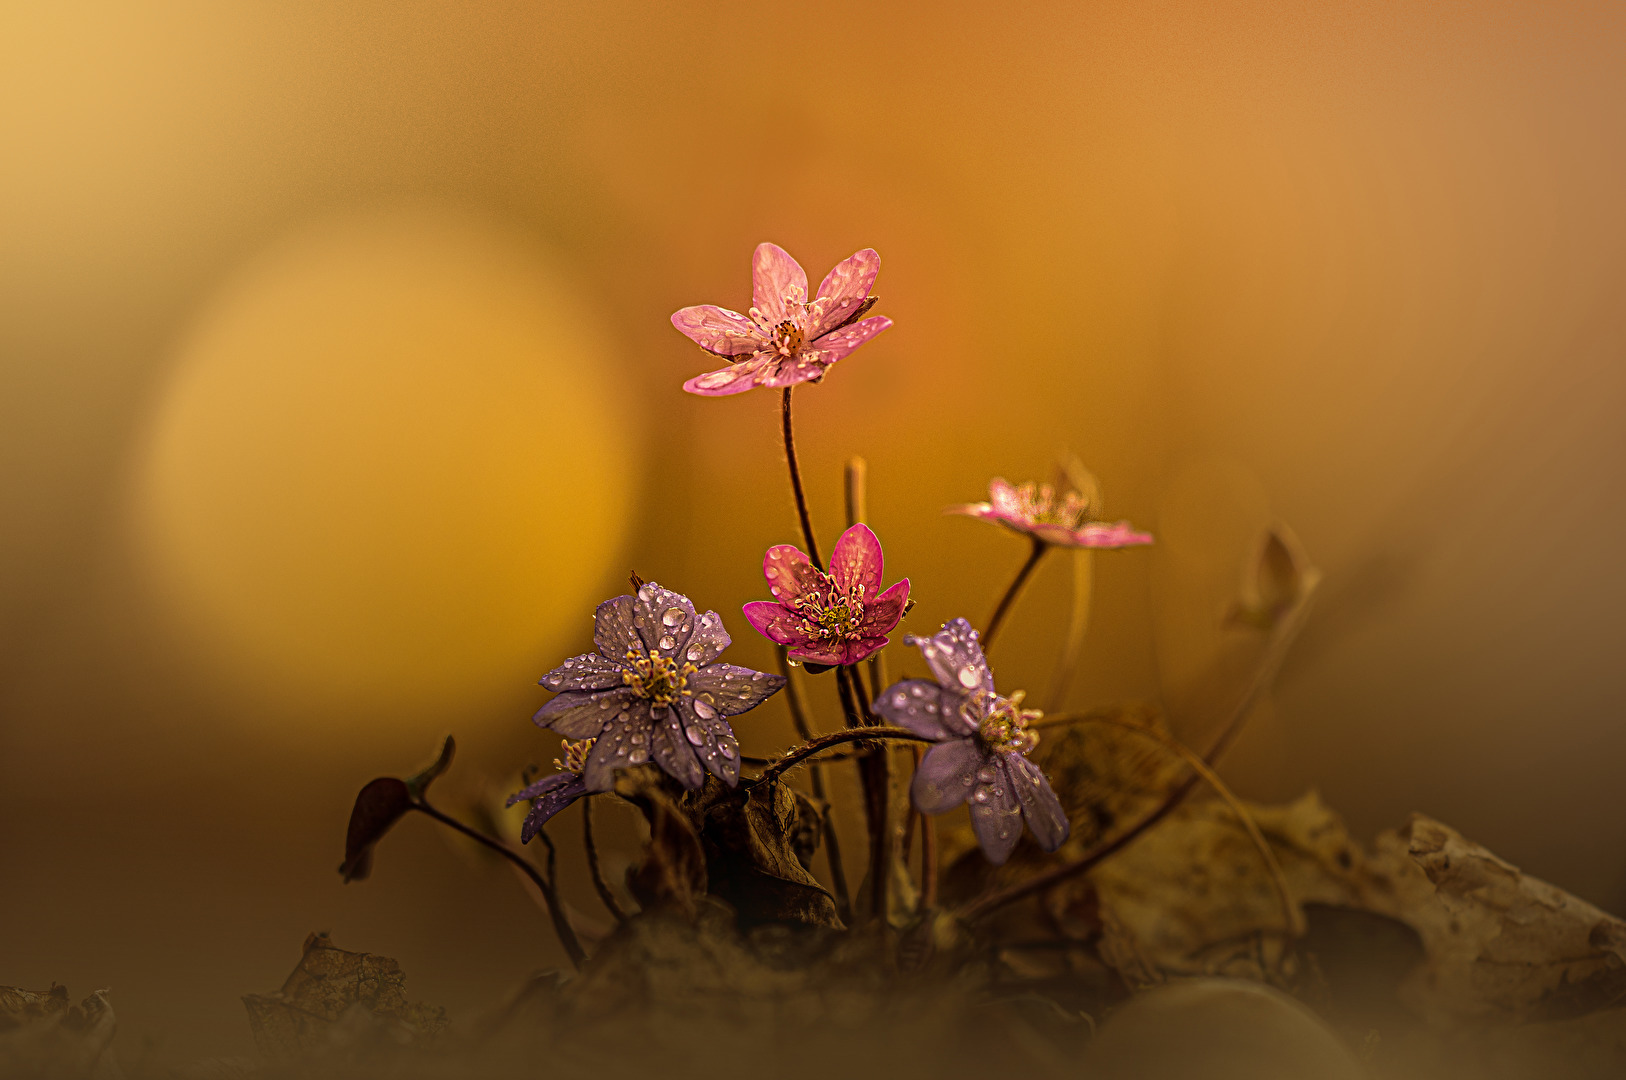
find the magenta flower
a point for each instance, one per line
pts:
(835, 618)
(1036, 511)
(982, 742)
(786, 339)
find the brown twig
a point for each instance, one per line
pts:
(593, 868)
(835, 738)
(832, 843)
(556, 912)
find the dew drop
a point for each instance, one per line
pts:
(899, 700)
(695, 735)
(704, 710)
(726, 750)
(668, 642)
(672, 616)
(981, 795)
(693, 655)
(968, 677)
(987, 774)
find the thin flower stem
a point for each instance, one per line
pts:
(875, 770)
(928, 862)
(835, 738)
(832, 843)
(1281, 638)
(556, 912)
(1005, 602)
(593, 868)
(796, 486)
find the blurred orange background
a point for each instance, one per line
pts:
(338, 387)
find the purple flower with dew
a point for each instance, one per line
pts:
(840, 617)
(1063, 521)
(982, 742)
(654, 692)
(552, 794)
(786, 338)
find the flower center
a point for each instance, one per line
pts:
(1038, 505)
(657, 678)
(575, 759)
(787, 338)
(1004, 728)
(828, 613)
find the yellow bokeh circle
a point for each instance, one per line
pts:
(392, 467)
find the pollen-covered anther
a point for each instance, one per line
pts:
(787, 338)
(656, 678)
(1004, 728)
(575, 759)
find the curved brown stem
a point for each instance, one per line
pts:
(835, 738)
(796, 484)
(1005, 602)
(556, 912)
(832, 842)
(602, 886)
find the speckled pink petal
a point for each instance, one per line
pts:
(734, 379)
(1098, 535)
(844, 288)
(719, 330)
(883, 613)
(789, 572)
(980, 510)
(945, 776)
(778, 624)
(856, 560)
(1003, 495)
(805, 367)
(838, 343)
(774, 277)
(830, 654)
(862, 649)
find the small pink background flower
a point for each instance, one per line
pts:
(786, 338)
(1037, 511)
(837, 618)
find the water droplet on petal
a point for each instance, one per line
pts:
(969, 677)
(727, 750)
(704, 710)
(694, 653)
(668, 642)
(672, 616)
(987, 774)
(899, 700)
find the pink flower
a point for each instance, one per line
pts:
(785, 339)
(835, 618)
(1036, 511)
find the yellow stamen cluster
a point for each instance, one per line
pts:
(1038, 505)
(575, 759)
(1004, 728)
(787, 338)
(828, 614)
(657, 678)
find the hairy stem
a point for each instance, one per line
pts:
(593, 868)
(832, 843)
(796, 485)
(556, 912)
(835, 738)
(1005, 602)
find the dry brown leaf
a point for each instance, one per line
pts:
(321, 1000)
(43, 1034)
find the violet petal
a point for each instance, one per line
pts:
(665, 619)
(670, 748)
(945, 776)
(1041, 808)
(623, 742)
(714, 742)
(918, 704)
(730, 689)
(709, 640)
(996, 816)
(956, 658)
(589, 671)
(582, 714)
(549, 804)
(541, 787)
(613, 631)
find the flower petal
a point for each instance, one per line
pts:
(945, 776)
(551, 795)
(624, 742)
(670, 748)
(857, 560)
(613, 629)
(731, 690)
(714, 742)
(882, 613)
(582, 714)
(955, 657)
(834, 653)
(789, 571)
(920, 705)
(734, 379)
(709, 640)
(775, 622)
(845, 287)
(1041, 808)
(1100, 535)
(996, 816)
(719, 330)
(589, 671)
(982, 510)
(838, 343)
(775, 276)
(665, 619)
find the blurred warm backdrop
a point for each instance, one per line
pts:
(336, 386)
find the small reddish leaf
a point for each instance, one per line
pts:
(379, 806)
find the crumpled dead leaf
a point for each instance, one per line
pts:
(336, 998)
(749, 836)
(673, 868)
(42, 1033)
